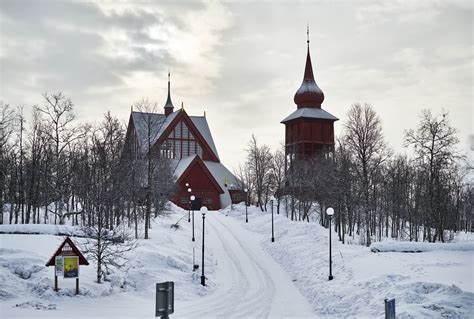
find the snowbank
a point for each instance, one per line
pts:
(418, 247)
(47, 229)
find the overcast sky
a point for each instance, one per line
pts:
(242, 61)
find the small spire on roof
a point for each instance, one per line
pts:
(131, 108)
(204, 113)
(169, 105)
(182, 105)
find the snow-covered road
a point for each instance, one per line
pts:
(250, 284)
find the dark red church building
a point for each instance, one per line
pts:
(309, 131)
(187, 142)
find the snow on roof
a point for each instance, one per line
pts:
(181, 165)
(201, 124)
(147, 125)
(314, 113)
(217, 170)
(220, 172)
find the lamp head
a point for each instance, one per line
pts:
(330, 211)
(272, 198)
(246, 190)
(187, 184)
(192, 197)
(203, 210)
(189, 190)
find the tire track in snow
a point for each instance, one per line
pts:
(258, 303)
(247, 291)
(250, 284)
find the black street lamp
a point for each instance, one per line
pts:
(330, 212)
(271, 201)
(246, 203)
(192, 198)
(231, 203)
(203, 211)
(189, 208)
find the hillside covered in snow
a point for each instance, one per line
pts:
(247, 274)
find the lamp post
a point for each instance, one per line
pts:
(189, 210)
(231, 203)
(330, 212)
(192, 198)
(246, 203)
(271, 201)
(203, 211)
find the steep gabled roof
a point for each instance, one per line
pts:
(201, 124)
(159, 123)
(220, 173)
(185, 165)
(150, 125)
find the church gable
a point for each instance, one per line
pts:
(203, 183)
(182, 139)
(199, 176)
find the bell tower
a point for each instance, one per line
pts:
(309, 131)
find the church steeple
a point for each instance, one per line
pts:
(309, 94)
(169, 105)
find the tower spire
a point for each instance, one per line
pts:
(309, 95)
(169, 104)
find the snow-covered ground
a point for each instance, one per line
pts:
(247, 275)
(433, 284)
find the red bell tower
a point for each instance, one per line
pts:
(309, 131)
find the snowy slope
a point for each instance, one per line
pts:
(248, 276)
(27, 285)
(425, 285)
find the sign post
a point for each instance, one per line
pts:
(66, 261)
(58, 270)
(390, 308)
(164, 299)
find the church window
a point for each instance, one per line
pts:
(185, 148)
(185, 131)
(178, 149)
(177, 131)
(199, 150)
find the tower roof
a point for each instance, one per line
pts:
(309, 94)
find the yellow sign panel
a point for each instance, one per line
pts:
(71, 266)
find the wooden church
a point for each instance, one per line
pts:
(309, 131)
(188, 144)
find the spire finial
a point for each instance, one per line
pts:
(169, 75)
(307, 32)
